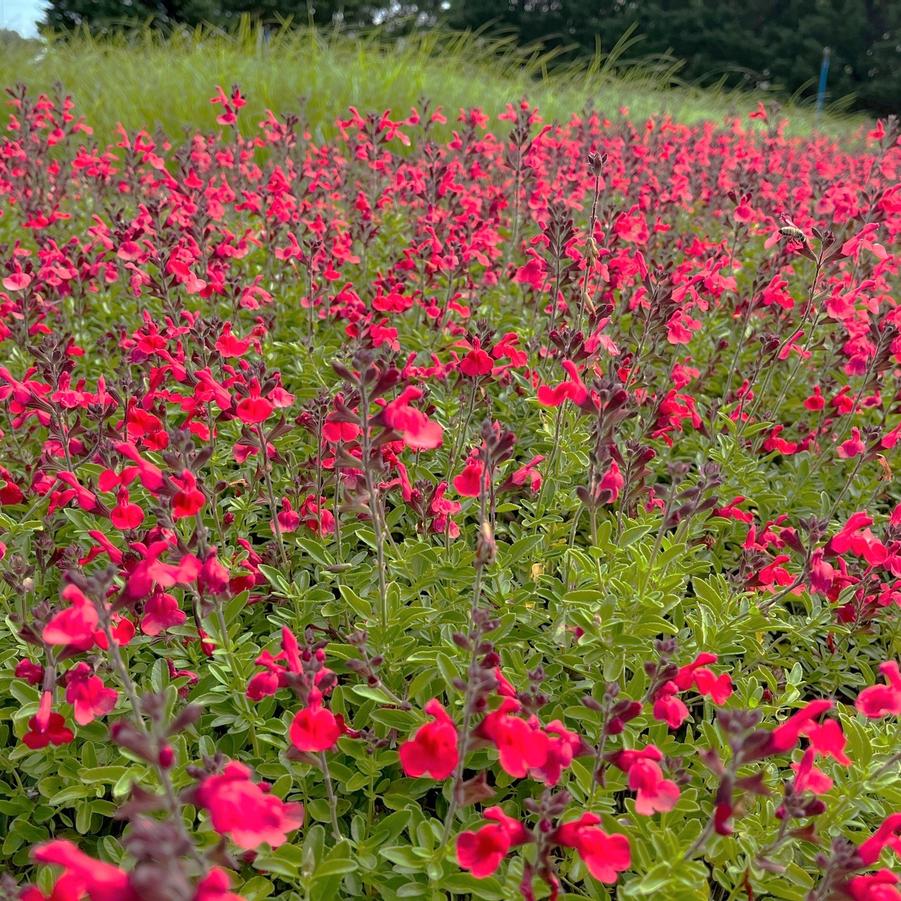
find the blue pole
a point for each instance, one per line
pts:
(821, 89)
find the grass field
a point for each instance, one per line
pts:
(147, 80)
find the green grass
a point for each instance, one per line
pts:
(145, 80)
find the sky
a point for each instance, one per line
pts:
(21, 16)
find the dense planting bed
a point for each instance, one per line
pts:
(455, 508)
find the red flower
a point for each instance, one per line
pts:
(878, 886)
(808, 777)
(262, 685)
(315, 728)
(415, 428)
(230, 346)
(481, 852)
(213, 577)
(604, 855)
(877, 700)
(856, 538)
(476, 362)
(215, 887)
(88, 695)
(527, 474)
(126, 515)
(828, 739)
(888, 835)
(653, 793)
(433, 749)
(74, 626)
(573, 389)
(53, 731)
(32, 673)
(563, 745)
(151, 476)
(521, 745)
(668, 708)
(10, 493)
(189, 500)
(469, 482)
(316, 517)
(718, 688)
(254, 408)
(161, 612)
(83, 875)
(786, 736)
(240, 808)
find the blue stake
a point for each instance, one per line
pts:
(821, 89)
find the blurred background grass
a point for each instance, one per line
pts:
(144, 80)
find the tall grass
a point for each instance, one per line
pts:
(145, 80)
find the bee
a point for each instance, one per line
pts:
(793, 232)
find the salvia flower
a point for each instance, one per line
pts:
(245, 811)
(433, 749)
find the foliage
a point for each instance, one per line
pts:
(481, 509)
(775, 43)
(149, 81)
(746, 44)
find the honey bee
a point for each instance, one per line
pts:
(793, 232)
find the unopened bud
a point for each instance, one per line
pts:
(486, 547)
(166, 757)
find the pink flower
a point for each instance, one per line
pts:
(433, 749)
(254, 408)
(562, 746)
(74, 626)
(88, 695)
(18, 281)
(288, 518)
(853, 446)
(668, 708)
(882, 700)
(469, 482)
(241, 808)
(604, 855)
(315, 728)
(83, 875)
(46, 727)
(888, 835)
(653, 792)
(573, 389)
(611, 484)
(32, 673)
(417, 431)
(189, 500)
(161, 612)
(878, 886)
(521, 744)
(215, 887)
(786, 736)
(481, 852)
